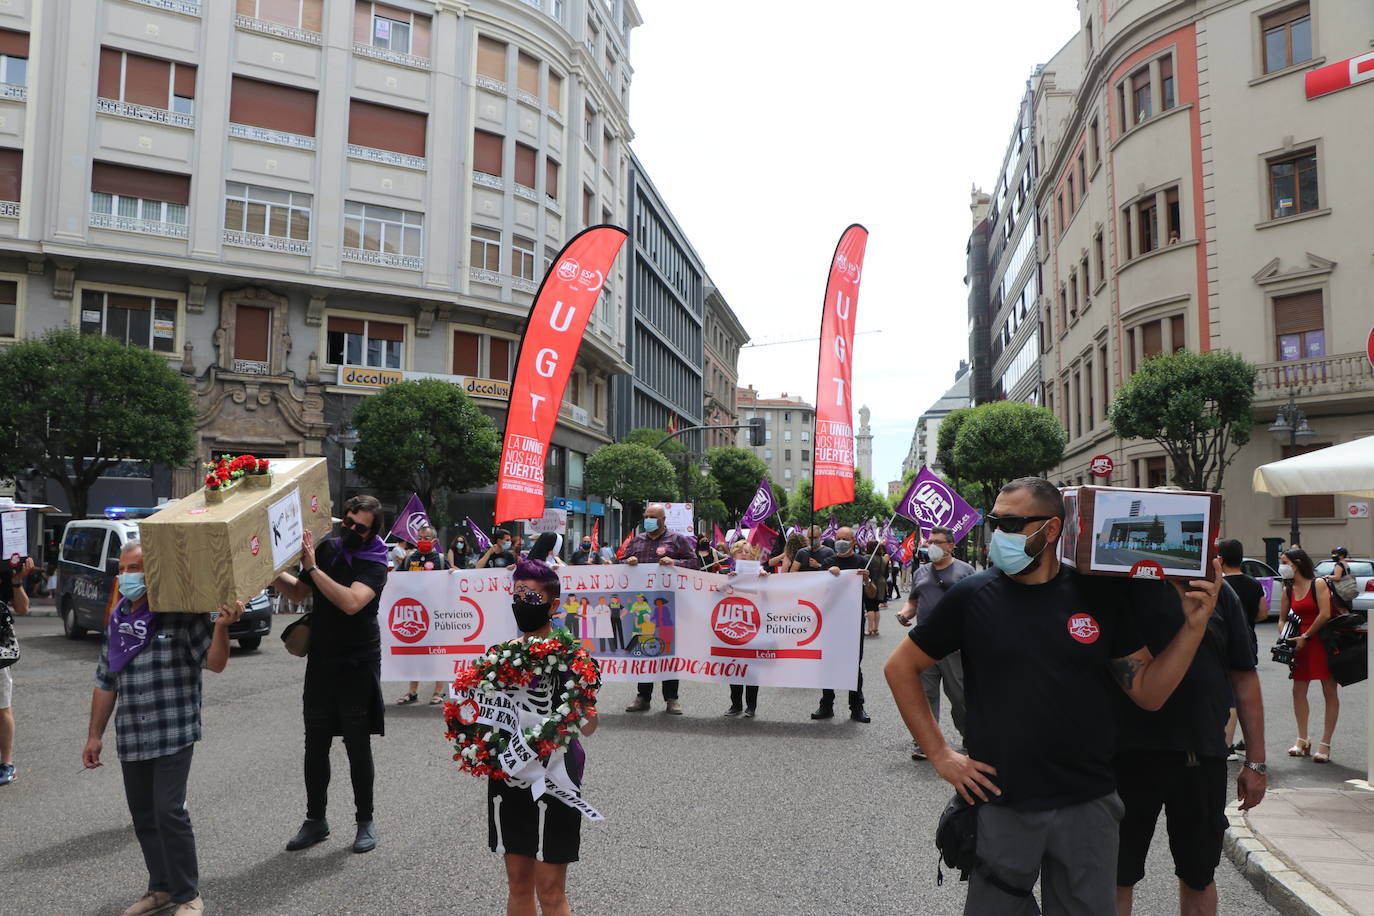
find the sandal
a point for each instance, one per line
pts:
(407, 700)
(1301, 748)
(436, 699)
(1322, 756)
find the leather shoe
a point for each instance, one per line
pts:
(311, 832)
(858, 715)
(366, 840)
(824, 712)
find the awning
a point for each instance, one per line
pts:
(1347, 468)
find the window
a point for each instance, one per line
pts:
(587, 200)
(137, 320)
(787, 454)
(786, 473)
(398, 30)
(1156, 471)
(1094, 142)
(485, 250)
(527, 74)
(1173, 215)
(787, 416)
(252, 333)
(607, 150)
(806, 456)
(1140, 95)
(1087, 287)
(368, 227)
(1147, 225)
(272, 106)
(1106, 379)
(1293, 184)
(1287, 37)
(522, 251)
(11, 171)
(1166, 83)
(300, 14)
(466, 348)
(1321, 505)
(125, 191)
(1082, 175)
(1298, 325)
(1088, 35)
(768, 437)
(1100, 257)
(9, 308)
(381, 127)
(14, 57)
(588, 126)
(266, 211)
(498, 358)
(526, 161)
(1070, 194)
(364, 342)
(806, 434)
(787, 435)
(555, 92)
(486, 153)
(1059, 202)
(491, 58)
(138, 80)
(768, 454)
(549, 254)
(551, 179)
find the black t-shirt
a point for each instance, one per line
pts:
(824, 555)
(416, 561)
(332, 632)
(1036, 681)
(1251, 595)
(1194, 716)
(586, 557)
(500, 559)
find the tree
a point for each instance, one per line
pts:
(426, 437)
(632, 474)
(1003, 440)
(945, 436)
(1196, 406)
(673, 449)
(76, 404)
(737, 472)
(868, 503)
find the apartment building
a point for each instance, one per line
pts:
(925, 441)
(789, 422)
(724, 338)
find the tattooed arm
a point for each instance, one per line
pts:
(1148, 679)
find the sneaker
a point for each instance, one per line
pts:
(824, 712)
(190, 907)
(151, 902)
(311, 832)
(639, 705)
(734, 711)
(749, 712)
(674, 708)
(8, 774)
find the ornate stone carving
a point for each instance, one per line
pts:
(64, 280)
(195, 292)
(314, 312)
(426, 319)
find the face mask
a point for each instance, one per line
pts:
(843, 547)
(530, 617)
(424, 546)
(651, 524)
(586, 545)
(1008, 553)
(1285, 571)
(131, 585)
(505, 545)
(935, 553)
(352, 540)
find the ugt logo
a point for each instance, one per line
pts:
(1084, 628)
(931, 503)
(409, 621)
(735, 620)
(568, 270)
(761, 507)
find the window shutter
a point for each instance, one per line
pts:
(312, 15)
(1178, 332)
(486, 152)
(551, 178)
(272, 106)
(11, 170)
(184, 80)
(464, 353)
(1297, 313)
(339, 325)
(111, 65)
(15, 44)
(491, 58)
(1153, 341)
(525, 169)
(385, 330)
(146, 81)
(527, 74)
(555, 91)
(499, 358)
(9, 292)
(380, 127)
(362, 23)
(108, 178)
(251, 324)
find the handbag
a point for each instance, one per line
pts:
(296, 637)
(956, 839)
(9, 642)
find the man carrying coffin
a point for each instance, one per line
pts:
(151, 665)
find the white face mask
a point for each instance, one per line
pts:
(935, 553)
(1285, 571)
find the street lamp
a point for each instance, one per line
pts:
(1290, 428)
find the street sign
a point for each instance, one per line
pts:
(1369, 347)
(1358, 510)
(1102, 466)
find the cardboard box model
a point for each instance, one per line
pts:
(198, 555)
(1144, 534)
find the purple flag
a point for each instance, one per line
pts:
(930, 503)
(479, 537)
(830, 528)
(412, 518)
(890, 539)
(763, 505)
(864, 534)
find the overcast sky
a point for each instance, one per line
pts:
(768, 127)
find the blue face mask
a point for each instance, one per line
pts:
(131, 585)
(1008, 552)
(651, 524)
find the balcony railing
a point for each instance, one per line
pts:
(384, 259)
(527, 193)
(484, 276)
(279, 30)
(265, 242)
(144, 113)
(1344, 373)
(387, 157)
(520, 284)
(9, 209)
(489, 181)
(390, 56)
(14, 91)
(185, 7)
(264, 135)
(529, 98)
(487, 82)
(141, 226)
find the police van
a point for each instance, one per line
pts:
(88, 572)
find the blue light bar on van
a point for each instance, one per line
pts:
(125, 512)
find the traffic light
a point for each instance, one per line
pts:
(756, 434)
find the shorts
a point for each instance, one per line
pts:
(545, 830)
(6, 688)
(1194, 803)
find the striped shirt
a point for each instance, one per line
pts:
(158, 710)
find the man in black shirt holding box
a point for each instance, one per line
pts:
(1037, 640)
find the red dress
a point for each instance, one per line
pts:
(1312, 665)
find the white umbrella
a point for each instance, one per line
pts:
(1346, 468)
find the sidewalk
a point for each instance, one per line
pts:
(1308, 851)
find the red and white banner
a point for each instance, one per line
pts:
(641, 623)
(833, 459)
(548, 350)
(1342, 75)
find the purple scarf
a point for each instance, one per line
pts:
(373, 552)
(129, 633)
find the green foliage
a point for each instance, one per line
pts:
(673, 449)
(77, 403)
(946, 435)
(633, 474)
(737, 472)
(428, 437)
(1001, 441)
(868, 503)
(1196, 405)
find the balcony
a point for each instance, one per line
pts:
(489, 181)
(141, 226)
(1339, 378)
(184, 7)
(276, 137)
(387, 157)
(487, 82)
(9, 209)
(278, 30)
(390, 56)
(144, 113)
(384, 259)
(265, 242)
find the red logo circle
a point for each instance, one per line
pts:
(735, 620)
(254, 545)
(314, 504)
(1083, 628)
(1147, 569)
(408, 620)
(201, 511)
(467, 712)
(662, 551)
(1102, 466)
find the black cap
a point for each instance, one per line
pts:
(1340, 552)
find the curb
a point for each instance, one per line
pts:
(1281, 884)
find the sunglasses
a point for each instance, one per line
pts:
(353, 526)
(1013, 524)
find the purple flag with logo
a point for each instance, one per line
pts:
(479, 537)
(763, 505)
(931, 503)
(830, 528)
(865, 534)
(891, 541)
(412, 518)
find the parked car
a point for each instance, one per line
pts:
(1363, 603)
(1265, 575)
(1361, 569)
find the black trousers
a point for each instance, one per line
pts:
(749, 695)
(156, 791)
(856, 697)
(646, 690)
(358, 743)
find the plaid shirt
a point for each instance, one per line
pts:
(681, 548)
(159, 690)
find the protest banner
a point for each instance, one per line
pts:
(833, 457)
(640, 623)
(680, 518)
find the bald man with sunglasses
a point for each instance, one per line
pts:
(1036, 639)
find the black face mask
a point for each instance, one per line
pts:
(530, 617)
(352, 540)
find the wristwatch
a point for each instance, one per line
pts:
(310, 570)
(1259, 768)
